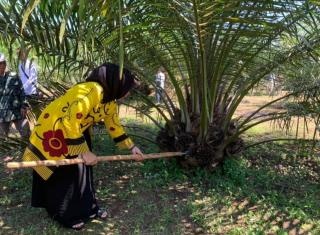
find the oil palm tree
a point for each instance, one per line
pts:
(214, 53)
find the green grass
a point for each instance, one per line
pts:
(261, 193)
(269, 189)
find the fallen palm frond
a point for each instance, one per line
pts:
(10, 146)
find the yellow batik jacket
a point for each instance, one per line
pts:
(58, 133)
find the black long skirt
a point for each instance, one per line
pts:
(68, 195)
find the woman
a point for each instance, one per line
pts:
(62, 131)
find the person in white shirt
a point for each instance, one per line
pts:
(27, 73)
(160, 79)
(271, 83)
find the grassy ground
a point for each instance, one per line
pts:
(269, 189)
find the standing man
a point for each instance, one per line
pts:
(160, 79)
(271, 83)
(13, 105)
(27, 73)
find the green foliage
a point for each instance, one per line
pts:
(161, 172)
(235, 170)
(302, 78)
(214, 52)
(275, 189)
(269, 189)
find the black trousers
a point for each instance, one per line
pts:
(68, 195)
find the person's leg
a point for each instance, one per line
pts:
(160, 95)
(158, 90)
(95, 210)
(23, 127)
(77, 201)
(4, 129)
(69, 200)
(161, 90)
(39, 188)
(157, 96)
(68, 195)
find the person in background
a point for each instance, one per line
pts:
(160, 80)
(13, 104)
(27, 73)
(271, 78)
(63, 131)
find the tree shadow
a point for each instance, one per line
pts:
(262, 193)
(266, 192)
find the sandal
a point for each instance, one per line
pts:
(78, 225)
(101, 214)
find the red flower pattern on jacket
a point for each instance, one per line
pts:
(54, 143)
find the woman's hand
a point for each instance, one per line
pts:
(137, 151)
(89, 158)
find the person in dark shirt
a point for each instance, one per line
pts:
(13, 104)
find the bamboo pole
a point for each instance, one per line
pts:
(28, 164)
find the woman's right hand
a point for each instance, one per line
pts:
(89, 158)
(136, 151)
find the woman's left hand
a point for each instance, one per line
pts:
(137, 151)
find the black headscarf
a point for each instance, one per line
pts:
(107, 75)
